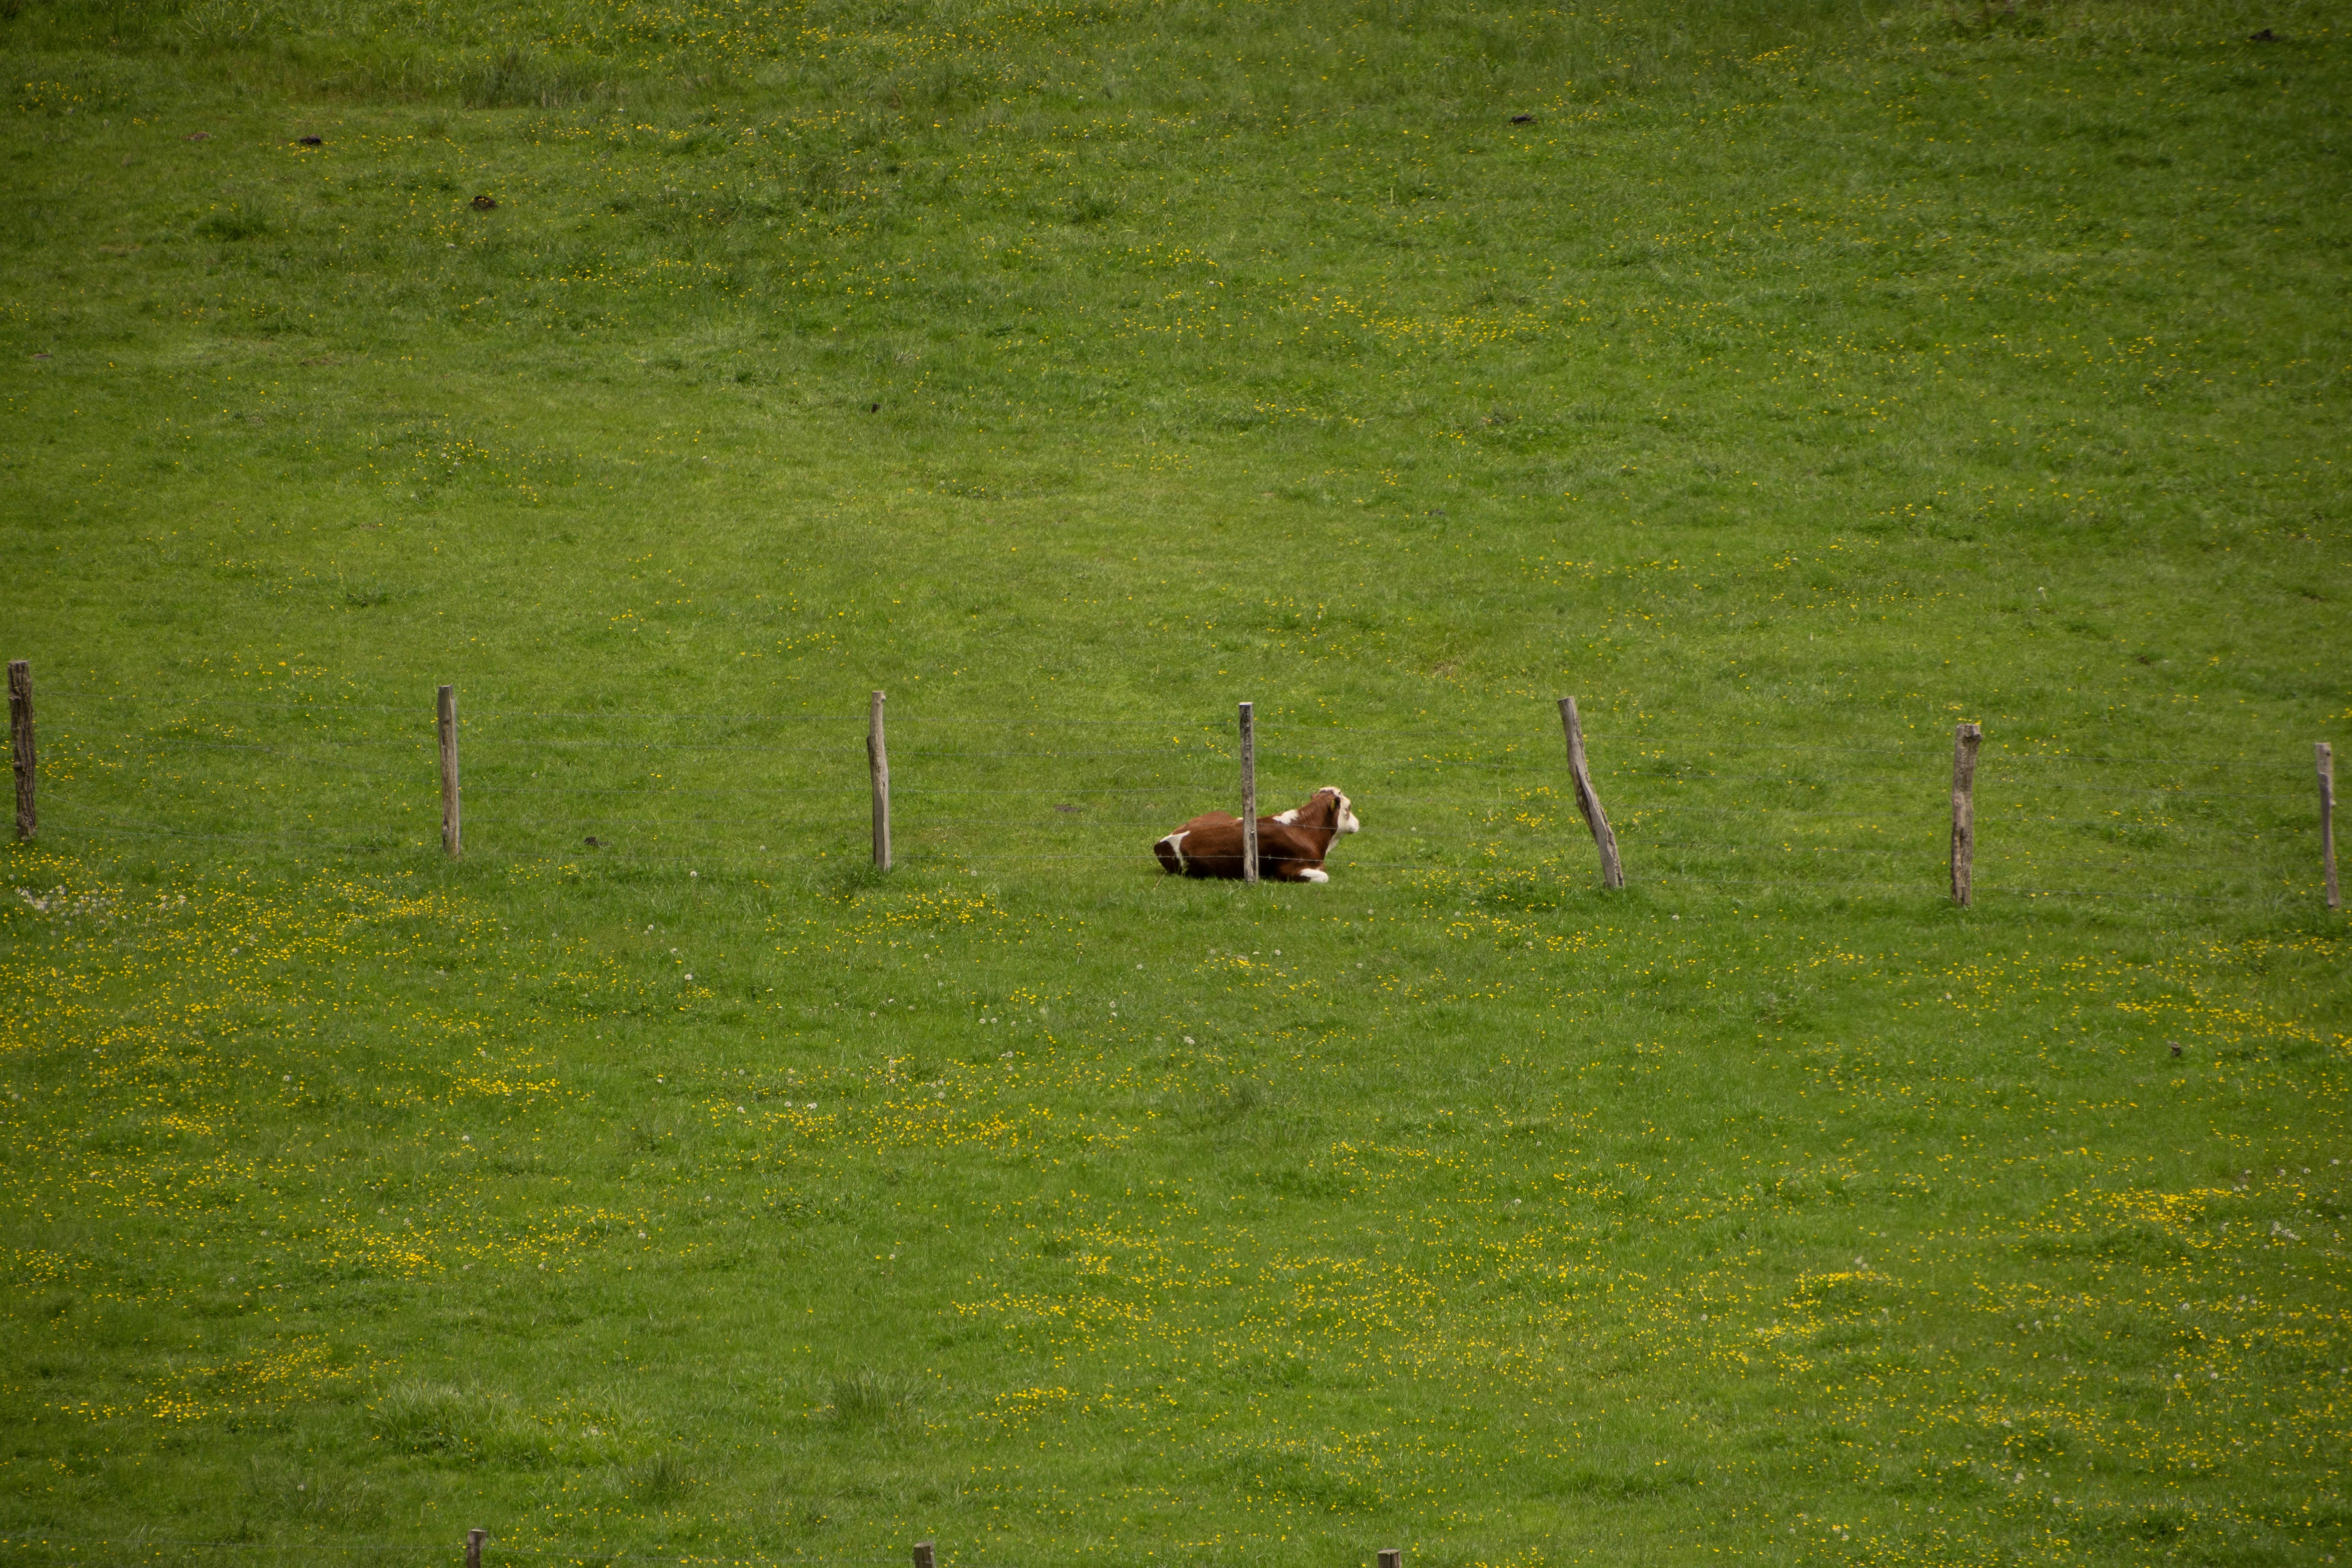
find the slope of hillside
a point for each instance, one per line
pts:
(1788, 383)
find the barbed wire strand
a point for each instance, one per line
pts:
(1919, 887)
(2181, 793)
(714, 858)
(293, 757)
(276, 837)
(766, 790)
(625, 824)
(151, 738)
(494, 738)
(1633, 813)
(641, 717)
(1895, 849)
(2119, 893)
(48, 693)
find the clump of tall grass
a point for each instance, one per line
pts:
(515, 79)
(473, 1425)
(869, 1399)
(227, 24)
(238, 220)
(660, 1478)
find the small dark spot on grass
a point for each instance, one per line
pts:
(234, 223)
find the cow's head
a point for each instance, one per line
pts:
(1326, 809)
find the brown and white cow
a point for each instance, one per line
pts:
(1290, 848)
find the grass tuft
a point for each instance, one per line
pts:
(517, 80)
(866, 1399)
(659, 1478)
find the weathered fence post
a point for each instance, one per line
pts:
(474, 1538)
(1588, 800)
(20, 743)
(452, 835)
(922, 1554)
(1391, 1557)
(877, 760)
(1964, 813)
(1249, 796)
(2326, 757)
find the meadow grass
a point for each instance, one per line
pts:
(1790, 383)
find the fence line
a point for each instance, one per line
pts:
(1507, 792)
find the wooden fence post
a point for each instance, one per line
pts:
(2325, 752)
(923, 1555)
(877, 760)
(1249, 796)
(1588, 800)
(20, 743)
(1964, 813)
(474, 1538)
(452, 835)
(1391, 1557)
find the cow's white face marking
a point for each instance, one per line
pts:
(1314, 874)
(1289, 818)
(1346, 822)
(1176, 841)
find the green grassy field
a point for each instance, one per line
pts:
(1788, 383)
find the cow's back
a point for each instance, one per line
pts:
(1208, 845)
